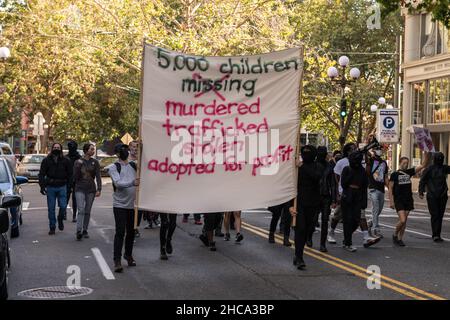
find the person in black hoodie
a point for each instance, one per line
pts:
(55, 174)
(328, 192)
(73, 156)
(354, 183)
(434, 183)
(308, 201)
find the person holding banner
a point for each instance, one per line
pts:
(434, 183)
(308, 201)
(124, 178)
(401, 195)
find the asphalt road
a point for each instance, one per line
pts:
(254, 269)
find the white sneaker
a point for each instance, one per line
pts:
(331, 238)
(349, 248)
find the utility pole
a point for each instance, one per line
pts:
(397, 97)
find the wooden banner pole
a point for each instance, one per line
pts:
(299, 132)
(138, 173)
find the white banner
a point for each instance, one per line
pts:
(388, 128)
(219, 133)
(423, 139)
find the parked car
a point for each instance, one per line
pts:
(5, 261)
(30, 165)
(6, 153)
(104, 162)
(10, 186)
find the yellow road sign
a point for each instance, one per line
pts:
(127, 138)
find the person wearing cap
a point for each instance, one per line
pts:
(434, 183)
(124, 178)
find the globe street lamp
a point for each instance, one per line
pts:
(343, 81)
(4, 53)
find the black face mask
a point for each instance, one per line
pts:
(123, 154)
(439, 159)
(355, 159)
(56, 152)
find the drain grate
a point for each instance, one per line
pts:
(58, 292)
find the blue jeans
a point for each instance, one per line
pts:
(377, 198)
(54, 193)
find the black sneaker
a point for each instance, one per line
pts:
(169, 248)
(239, 237)
(212, 246)
(323, 248)
(395, 239)
(130, 261)
(219, 234)
(51, 232)
(163, 255)
(227, 237)
(287, 243)
(309, 243)
(301, 264)
(438, 239)
(400, 243)
(204, 239)
(60, 224)
(79, 235)
(118, 267)
(85, 234)
(271, 238)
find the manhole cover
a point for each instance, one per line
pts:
(55, 292)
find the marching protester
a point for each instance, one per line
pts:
(308, 201)
(168, 226)
(401, 195)
(327, 195)
(73, 156)
(88, 185)
(125, 181)
(197, 218)
(434, 183)
(237, 225)
(377, 171)
(340, 165)
(354, 184)
(55, 175)
(280, 211)
(212, 221)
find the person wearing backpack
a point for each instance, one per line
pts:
(124, 177)
(88, 186)
(377, 172)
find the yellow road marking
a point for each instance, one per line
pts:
(352, 268)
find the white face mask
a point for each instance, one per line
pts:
(378, 153)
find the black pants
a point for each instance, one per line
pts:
(124, 219)
(304, 224)
(281, 210)
(168, 226)
(212, 221)
(74, 203)
(351, 215)
(197, 216)
(325, 211)
(436, 206)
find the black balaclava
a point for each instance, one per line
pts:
(309, 153)
(73, 148)
(355, 158)
(322, 153)
(348, 149)
(438, 159)
(122, 150)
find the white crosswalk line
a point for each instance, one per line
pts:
(107, 273)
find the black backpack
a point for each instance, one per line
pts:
(119, 168)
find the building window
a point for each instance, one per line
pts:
(434, 37)
(439, 100)
(418, 102)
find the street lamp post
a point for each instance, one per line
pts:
(343, 82)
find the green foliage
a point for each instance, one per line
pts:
(80, 66)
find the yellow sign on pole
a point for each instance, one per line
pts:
(127, 138)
